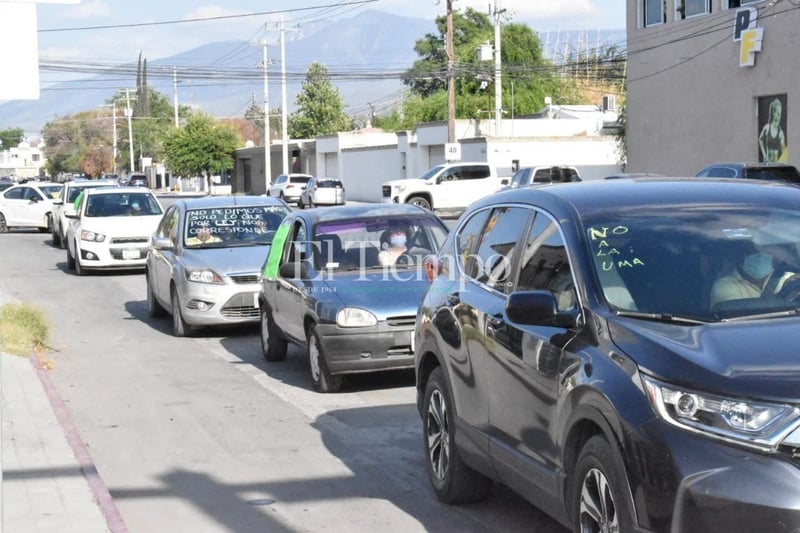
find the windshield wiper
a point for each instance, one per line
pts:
(764, 316)
(662, 317)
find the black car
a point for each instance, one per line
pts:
(622, 353)
(754, 171)
(137, 180)
(333, 284)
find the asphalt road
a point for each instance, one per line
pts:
(201, 434)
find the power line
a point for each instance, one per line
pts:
(204, 19)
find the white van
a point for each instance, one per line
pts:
(446, 187)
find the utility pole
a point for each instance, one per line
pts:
(129, 114)
(267, 158)
(498, 82)
(113, 106)
(175, 92)
(284, 116)
(451, 86)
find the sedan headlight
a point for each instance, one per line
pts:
(91, 236)
(204, 275)
(752, 423)
(353, 317)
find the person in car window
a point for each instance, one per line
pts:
(203, 235)
(393, 245)
(751, 277)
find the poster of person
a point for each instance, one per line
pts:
(772, 118)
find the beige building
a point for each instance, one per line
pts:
(710, 81)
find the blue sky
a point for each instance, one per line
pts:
(163, 40)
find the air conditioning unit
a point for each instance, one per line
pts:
(609, 102)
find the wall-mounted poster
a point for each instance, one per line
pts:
(772, 118)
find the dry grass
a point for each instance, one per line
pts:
(23, 329)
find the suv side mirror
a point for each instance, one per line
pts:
(538, 308)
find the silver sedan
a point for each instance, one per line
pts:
(204, 262)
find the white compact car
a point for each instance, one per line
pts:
(69, 193)
(322, 191)
(28, 205)
(111, 228)
(288, 187)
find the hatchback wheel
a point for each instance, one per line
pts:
(598, 490)
(273, 345)
(70, 260)
(179, 326)
(79, 270)
(452, 480)
(3, 225)
(323, 380)
(153, 307)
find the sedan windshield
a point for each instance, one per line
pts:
(704, 263)
(232, 226)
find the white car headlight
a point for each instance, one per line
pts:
(204, 275)
(87, 235)
(753, 423)
(353, 317)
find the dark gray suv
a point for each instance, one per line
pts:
(753, 171)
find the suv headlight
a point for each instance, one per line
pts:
(353, 317)
(203, 275)
(752, 423)
(91, 236)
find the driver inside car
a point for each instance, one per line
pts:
(753, 276)
(393, 245)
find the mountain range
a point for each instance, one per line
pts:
(364, 54)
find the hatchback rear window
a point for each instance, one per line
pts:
(329, 184)
(299, 179)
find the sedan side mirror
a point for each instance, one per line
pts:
(70, 213)
(161, 243)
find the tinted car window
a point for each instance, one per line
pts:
(329, 184)
(15, 194)
(544, 263)
(497, 245)
(468, 239)
(778, 173)
(300, 179)
(721, 172)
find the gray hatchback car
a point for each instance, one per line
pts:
(204, 261)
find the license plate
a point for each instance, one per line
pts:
(130, 254)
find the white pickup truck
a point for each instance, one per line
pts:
(446, 187)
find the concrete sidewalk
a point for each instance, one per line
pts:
(49, 482)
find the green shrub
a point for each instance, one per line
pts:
(23, 329)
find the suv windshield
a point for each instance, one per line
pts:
(707, 262)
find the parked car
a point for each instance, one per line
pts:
(449, 187)
(288, 187)
(569, 348)
(322, 191)
(69, 193)
(137, 180)
(111, 228)
(754, 171)
(527, 176)
(5, 183)
(28, 205)
(206, 255)
(324, 288)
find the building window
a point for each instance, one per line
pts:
(739, 3)
(35, 157)
(655, 12)
(690, 8)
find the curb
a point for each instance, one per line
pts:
(99, 490)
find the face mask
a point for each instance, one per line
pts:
(398, 241)
(757, 265)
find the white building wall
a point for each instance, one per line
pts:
(367, 169)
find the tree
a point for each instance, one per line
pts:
(320, 109)
(201, 147)
(255, 116)
(10, 138)
(97, 160)
(68, 139)
(527, 75)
